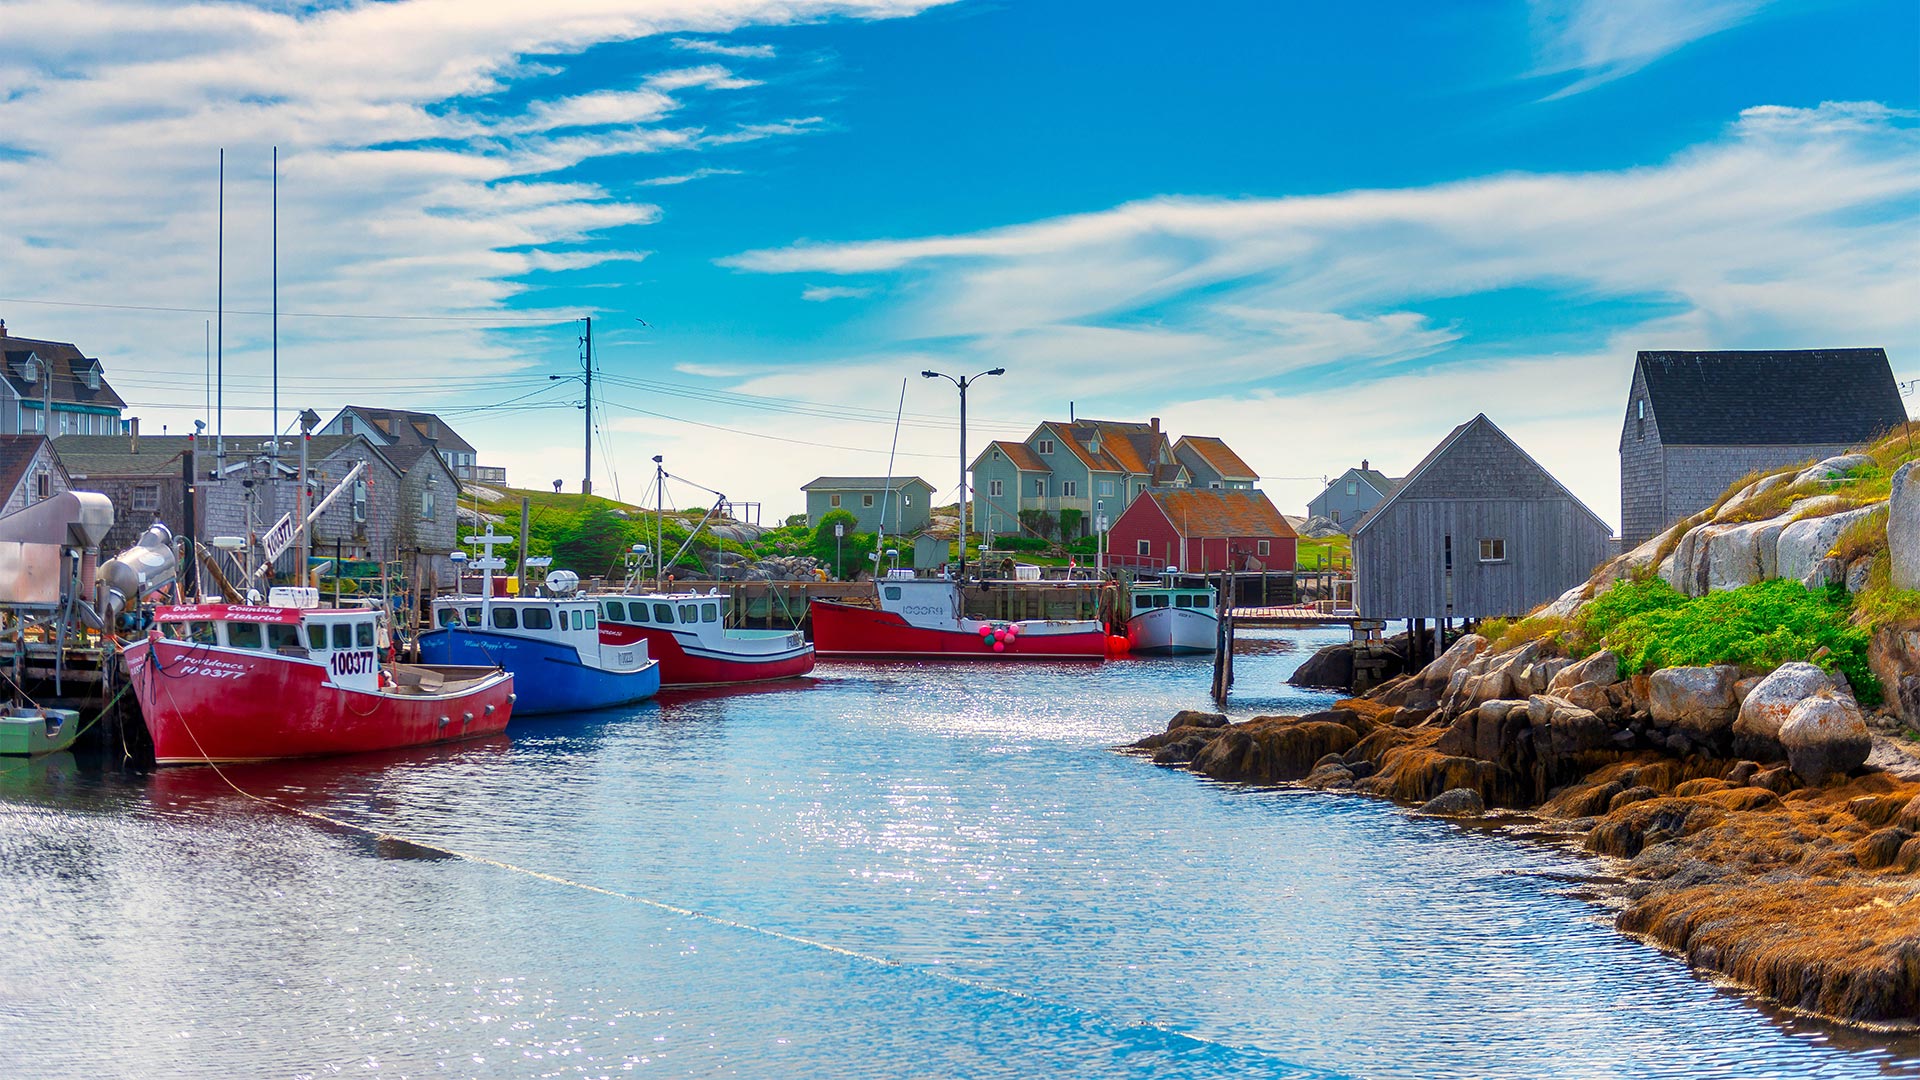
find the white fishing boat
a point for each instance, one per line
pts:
(1172, 619)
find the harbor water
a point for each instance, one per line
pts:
(885, 871)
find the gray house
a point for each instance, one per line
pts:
(1698, 421)
(401, 427)
(906, 501)
(1352, 494)
(1478, 529)
(50, 388)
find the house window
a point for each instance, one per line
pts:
(64, 420)
(1212, 483)
(993, 488)
(1263, 547)
(1144, 547)
(426, 504)
(866, 500)
(1335, 514)
(146, 496)
(833, 500)
(1040, 488)
(43, 485)
(1353, 487)
(1106, 487)
(93, 377)
(1044, 446)
(359, 501)
(906, 499)
(1493, 551)
(1068, 489)
(40, 420)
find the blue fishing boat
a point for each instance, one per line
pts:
(552, 646)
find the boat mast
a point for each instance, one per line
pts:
(659, 522)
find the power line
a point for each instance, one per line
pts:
(758, 434)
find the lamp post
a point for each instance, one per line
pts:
(1100, 538)
(839, 530)
(963, 383)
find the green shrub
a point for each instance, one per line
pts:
(1086, 545)
(1020, 543)
(1070, 523)
(1652, 625)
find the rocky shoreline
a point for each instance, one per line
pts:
(1761, 830)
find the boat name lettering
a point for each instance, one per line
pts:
(354, 663)
(211, 668)
(922, 609)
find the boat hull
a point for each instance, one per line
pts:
(207, 704)
(30, 733)
(686, 663)
(549, 677)
(1173, 631)
(849, 631)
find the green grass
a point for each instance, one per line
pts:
(1759, 626)
(1334, 551)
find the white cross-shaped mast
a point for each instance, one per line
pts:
(488, 564)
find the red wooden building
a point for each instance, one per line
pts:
(1201, 530)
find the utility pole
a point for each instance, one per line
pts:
(962, 383)
(586, 483)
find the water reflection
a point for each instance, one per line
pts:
(912, 870)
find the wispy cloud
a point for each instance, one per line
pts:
(834, 292)
(683, 178)
(1602, 40)
(1793, 229)
(716, 48)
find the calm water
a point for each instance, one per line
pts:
(909, 872)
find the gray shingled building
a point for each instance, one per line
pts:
(1698, 421)
(1477, 530)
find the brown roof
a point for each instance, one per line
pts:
(16, 456)
(159, 455)
(1216, 453)
(1020, 454)
(69, 372)
(1220, 512)
(417, 428)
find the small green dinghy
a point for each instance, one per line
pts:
(28, 732)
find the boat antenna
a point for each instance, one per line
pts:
(219, 323)
(880, 538)
(659, 521)
(275, 454)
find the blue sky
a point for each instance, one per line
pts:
(1324, 232)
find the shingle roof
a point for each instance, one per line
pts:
(1217, 454)
(1220, 512)
(159, 455)
(1381, 482)
(416, 428)
(69, 372)
(1021, 455)
(1406, 482)
(863, 483)
(1771, 398)
(16, 456)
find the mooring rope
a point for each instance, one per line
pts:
(689, 913)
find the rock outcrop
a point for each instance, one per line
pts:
(1765, 708)
(1903, 527)
(1698, 700)
(1825, 736)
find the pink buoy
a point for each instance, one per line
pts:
(986, 631)
(1014, 629)
(999, 646)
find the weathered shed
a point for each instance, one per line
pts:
(1698, 421)
(1478, 529)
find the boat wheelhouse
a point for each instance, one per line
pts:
(231, 682)
(687, 633)
(553, 644)
(1173, 619)
(921, 618)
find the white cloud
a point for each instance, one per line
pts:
(818, 293)
(1602, 40)
(1298, 322)
(405, 188)
(715, 48)
(682, 178)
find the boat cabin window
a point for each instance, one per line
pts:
(616, 610)
(506, 618)
(448, 617)
(202, 633)
(593, 621)
(663, 614)
(363, 635)
(538, 618)
(709, 612)
(1142, 603)
(893, 592)
(1183, 601)
(1160, 601)
(243, 635)
(637, 612)
(342, 636)
(317, 635)
(281, 636)
(689, 613)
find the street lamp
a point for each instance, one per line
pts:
(963, 383)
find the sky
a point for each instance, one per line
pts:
(1322, 232)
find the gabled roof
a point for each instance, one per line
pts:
(406, 427)
(863, 483)
(1218, 456)
(1170, 473)
(1377, 480)
(1020, 454)
(16, 457)
(1220, 512)
(69, 372)
(159, 455)
(1770, 398)
(1411, 482)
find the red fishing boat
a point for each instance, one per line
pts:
(920, 618)
(688, 634)
(227, 682)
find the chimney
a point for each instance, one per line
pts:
(1363, 464)
(133, 433)
(3, 328)
(1154, 423)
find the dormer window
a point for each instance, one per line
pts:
(93, 375)
(30, 369)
